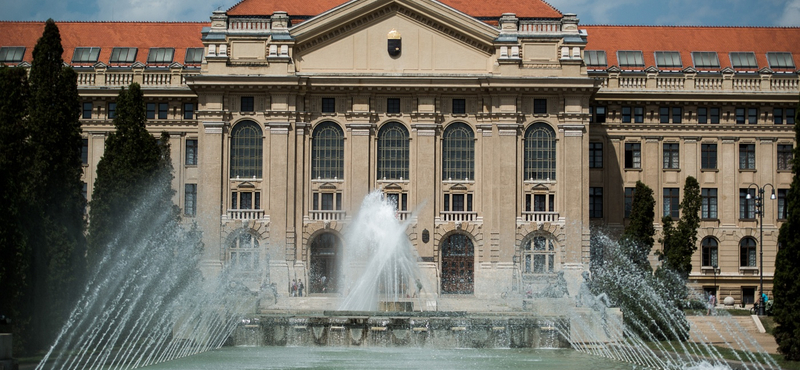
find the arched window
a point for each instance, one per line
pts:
(539, 255)
(247, 147)
(393, 152)
(540, 152)
(747, 249)
(458, 152)
(710, 248)
(243, 252)
(327, 152)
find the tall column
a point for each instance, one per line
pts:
(360, 164)
(209, 192)
(575, 192)
(279, 162)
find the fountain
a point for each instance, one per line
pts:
(149, 305)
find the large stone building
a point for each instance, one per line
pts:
(516, 128)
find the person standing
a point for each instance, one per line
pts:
(712, 303)
(300, 288)
(294, 287)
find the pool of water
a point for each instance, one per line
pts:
(252, 358)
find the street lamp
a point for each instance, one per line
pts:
(715, 282)
(760, 213)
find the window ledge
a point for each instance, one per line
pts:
(460, 115)
(394, 114)
(747, 170)
(328, 114)
(458, 181)
(245, 179)
(748, 220)
(320, 180)
(709, 170)
(633, 169)
(710, 219)
(393, 181)
(785, 171)
(748, 268)
(671, 169)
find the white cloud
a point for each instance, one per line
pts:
(791, 14)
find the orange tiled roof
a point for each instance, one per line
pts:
(482, 8)
(107, 35)
(723, 40)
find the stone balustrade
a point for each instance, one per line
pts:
(244, 214)
(327, 215)
(455, 216)
(169, 77)
(540, 216)
(539, 26)
(699, 82)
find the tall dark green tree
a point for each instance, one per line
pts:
(786, 306)
(14, 248)
(54, 221)
(134, 165)
(680, 241)
(637, 239)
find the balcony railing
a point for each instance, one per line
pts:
(455, 216)
(403, 215)
(539, 26)
(540, 216)
(733, 82)
(245, 214)
(327, 215)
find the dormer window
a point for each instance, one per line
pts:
(705, 59)
(160, 55)
(743, 60)
(11, 54)
(86, 55)
(595, 58)
(780, 60)
(123, 55)
(668, 59)
(194, 56)
(630, 58)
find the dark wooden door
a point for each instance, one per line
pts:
(458, 259)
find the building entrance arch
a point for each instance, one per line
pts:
(324, 261)
(458, 265)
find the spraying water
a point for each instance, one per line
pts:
(380, 264)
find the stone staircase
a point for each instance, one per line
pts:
(736, 332)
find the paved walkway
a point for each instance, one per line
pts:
(737, 332)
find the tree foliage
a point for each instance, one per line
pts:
(134, 165)
(637, 239)
(680, 242)
(786, 290)
(42, 156)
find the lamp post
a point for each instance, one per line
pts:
(715, 282)
(760, 213)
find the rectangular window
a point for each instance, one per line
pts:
(595, 58)
(709, 203)
(163, 110)
(194, 56)
(458, 202)
(85, 151)
(597, 114)
(668, 59)
(705, 59)
(671, 155)
(393, 105)
(150, 110)
(752, 116)
(460, 106)
(399, 200)
(708, 156)
(663, 114)
(783, 206)
(707, 115)
(747, 209)
(11, 54)
(247, 104)
(85, 55)
(777, 116)
(785, 157)
(626, 114)
(677, 114)
(595, 202)
(743, 60)
(188, 110)
(539, 203)
(747, 156)
(780, 60)
(633, 155)
(190, 200)
(740, 117)
(327, 201)
(160, 55)
(328, 105)
(671, 202)
(628, 201)
(790, 116)
(638, 114)
(539, 106)
(87, 110)
(112, 110)
(630, 58)
(714, 115)
(702, 115)
(595, 155)
(123, 55)
(191, 152)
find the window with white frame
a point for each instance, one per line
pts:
(243, 252)
(538, 255)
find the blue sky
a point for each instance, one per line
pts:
(644, 12)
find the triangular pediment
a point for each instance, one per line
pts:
(433, 38)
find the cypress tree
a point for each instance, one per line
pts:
(637, 239)
(54, 218)
(786, 290)
(14, 248)
(680, 242)
(134, 165)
